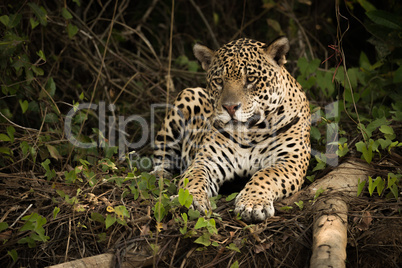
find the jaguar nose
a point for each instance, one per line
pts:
(231, 108)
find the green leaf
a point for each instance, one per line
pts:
(381, 17)
(10, 132)
(13, 254)
(51, 118)
(193, 214)
(37, 70)
(53, 152)
(110, 220)
(40, 13)
(66, 14)
(185, 198)
(371, 186)
(231, 197)
(3, 226)
(360, 186)
(384, 143)
(14, 20)
(315, 133)
(342, 150)
(5, 20)
(286, 208)
(232, 246)
(387, 129)
(398, 75)
(72, 30)
(364, 61)
(5, 150)
(300, 204)
(366, 5)
(380, 184)
(56, 211)
(394, 190)
(24, 105)
(95, 216)
(33, 23)
(212, 227)
(201, 222)
(367, 152)
(4, 137)
(235, 265)
(77, 2)
(310, 178)
(204, 239)
(24, 148)
(41, 55)
(159, 211)
(318, 193)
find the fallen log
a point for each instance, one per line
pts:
(107, 260)
(330, 210)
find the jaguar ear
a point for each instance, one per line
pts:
(277, 50)
(204, 55)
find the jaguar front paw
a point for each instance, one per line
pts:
(252, 208)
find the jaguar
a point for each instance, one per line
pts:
(250, 123)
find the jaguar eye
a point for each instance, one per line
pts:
(251, 79)
(218, 81)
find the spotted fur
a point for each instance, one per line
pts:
(252, 121)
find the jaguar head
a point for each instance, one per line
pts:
(244, 79)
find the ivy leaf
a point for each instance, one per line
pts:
(72, 30)
(235, 265)
(10, 132)
(204, 240)
(193, 214)
(14, 20)
(185, 199)
(37, 70)
(398, 75)
(384, 18)
(387, 129)
(5, 20)
(66, 14)
(231, 197)
(4, 137)
(360, 186)
(41, 55)
(366, 151)
(159, 211)
(380, 183)
(201, 222)
(315, 133)
(51, 118)
(95, 216)
(51, 87)
(13, 254)
(40, 13)
(56, 211)
(53, 152)
(33, 23)
(233, 247)
(3, 226)
(24, 105)
(110, 220)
